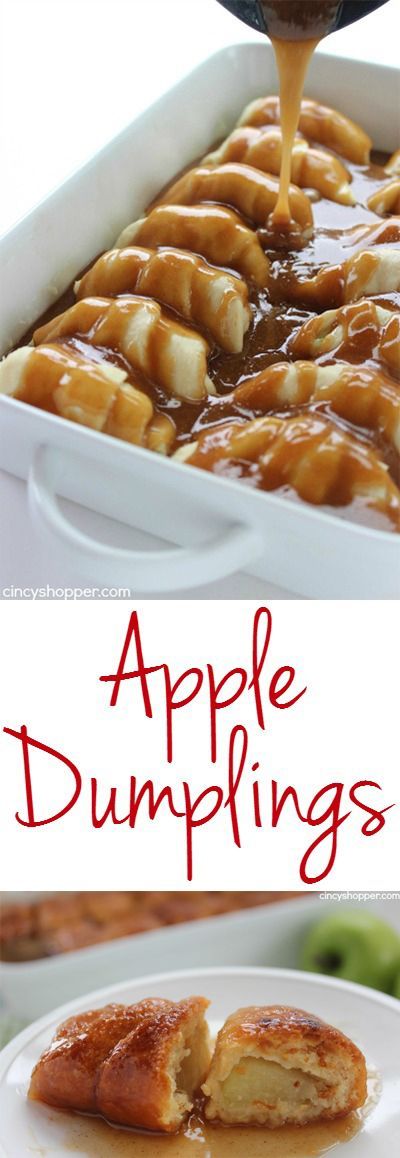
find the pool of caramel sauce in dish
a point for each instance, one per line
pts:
(275, 318)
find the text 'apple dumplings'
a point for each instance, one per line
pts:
(171, 355)
(318, 123)
(214, 232)
(250, 192)
(362, 396)
(212, 298)
(310, 168)
(307, 454)
(358, 332)
(275, 1066)
(136, 1065)
(94, 394)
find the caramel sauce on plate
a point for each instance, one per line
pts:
(96, 1139)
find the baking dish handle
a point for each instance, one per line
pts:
(148, 571)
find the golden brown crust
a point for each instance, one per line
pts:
(122, 1061)
(134, 1085)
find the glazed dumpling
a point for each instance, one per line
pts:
(358, 394)
(357, 332)
(307, 453)
(386, 199)
(393, 164)
(94, 394)
(366, 272)
(172, 355)
(218, 234)
(311, 168)
(250, 192)
(318, 123)
(210, 297)
(370, 272)
(276, 1065)
(137, 1065)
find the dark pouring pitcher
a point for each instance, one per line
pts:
(300, 19)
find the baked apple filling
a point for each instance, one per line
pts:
(256, 1089)
(276, 1065)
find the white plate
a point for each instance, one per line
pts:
(371, 1019)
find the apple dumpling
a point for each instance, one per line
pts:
(275, 1065)
(137, 1065)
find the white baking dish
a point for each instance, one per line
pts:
(268, 935)
(216, 525)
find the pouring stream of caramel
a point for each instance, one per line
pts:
(292, 57)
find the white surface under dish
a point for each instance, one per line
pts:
(269, 935)
(371, 1019)
(217, 525)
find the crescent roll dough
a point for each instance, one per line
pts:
(277, 1065)
(311, 168)
(367, 272)
(170, 354)
(371, 272)
(360, 395)
(393, 164)
(137, 1065)
(356, 332)
(386, 200)
(318, 123)
(250, 192)
(210, 297)
(308, 453)
(214, 232)
(93, 394)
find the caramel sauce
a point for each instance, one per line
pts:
(96, 1139)
(293, 58)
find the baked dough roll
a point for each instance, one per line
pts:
(318, 123)
(308, 453)
(209, 297)
(138, 1065)
(356, 333)
(275, 1065)
(251, 193)
(151, 1077)
(358, 394)
(216, 233)
(171, 355)
(386, 199)
(393, 164)
(93, 394)
(311, 168)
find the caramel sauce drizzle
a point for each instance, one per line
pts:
(293, 58)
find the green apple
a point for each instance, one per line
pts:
(396, 987)
(355, 945)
